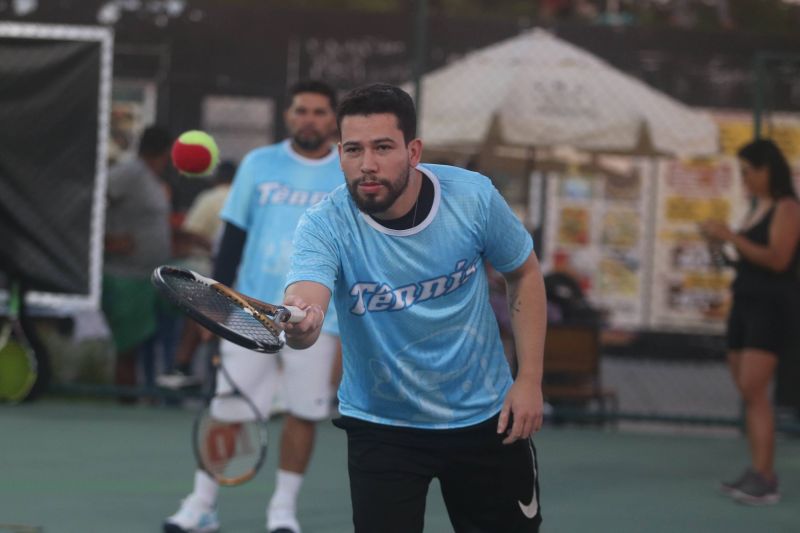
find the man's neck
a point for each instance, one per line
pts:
(418, 213)
(405, 201)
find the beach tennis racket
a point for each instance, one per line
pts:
(240, 319)
(18, 367)
(229, 437)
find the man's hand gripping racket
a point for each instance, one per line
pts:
(245, 321)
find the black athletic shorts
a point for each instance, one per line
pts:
(487, 486)
(764, 323)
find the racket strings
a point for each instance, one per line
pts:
(222, 309)
(230, 451)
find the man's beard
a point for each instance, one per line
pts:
(371, 204)
(309, 142)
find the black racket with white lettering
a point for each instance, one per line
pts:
(240, 319)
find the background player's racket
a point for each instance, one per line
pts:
(229, 438)
(231, 315)
(17, 360)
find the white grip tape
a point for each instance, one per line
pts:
(297, 314)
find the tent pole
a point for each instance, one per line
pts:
(538, 230)
(420, 51)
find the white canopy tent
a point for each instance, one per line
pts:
(536, 102)
(536, 90)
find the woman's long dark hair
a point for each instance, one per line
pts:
(763, 153)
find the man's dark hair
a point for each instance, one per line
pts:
(763, 153)
(312, 86)
(381, 98)
(155, 141)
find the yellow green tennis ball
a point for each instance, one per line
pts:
(195, 153)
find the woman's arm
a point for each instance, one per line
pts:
(784, 234)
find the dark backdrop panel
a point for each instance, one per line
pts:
(48, 156)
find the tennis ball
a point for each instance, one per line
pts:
(195, 154)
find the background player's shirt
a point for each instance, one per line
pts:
(421, 344)
(273, 186)
(139, 208)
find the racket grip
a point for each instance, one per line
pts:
(297, 314)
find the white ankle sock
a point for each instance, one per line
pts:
(205, 489)
(281, 510)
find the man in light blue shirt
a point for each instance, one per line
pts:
(427, 391)
(273, 187)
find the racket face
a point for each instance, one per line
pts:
(17, 373)
(18, 368)
(230, 444)
(216, 311)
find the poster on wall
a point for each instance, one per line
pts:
(238, 124)
(689, 291)
(596, 219)
(736, 129)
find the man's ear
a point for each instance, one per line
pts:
(415, 152)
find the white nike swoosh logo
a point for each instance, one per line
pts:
(532, 508)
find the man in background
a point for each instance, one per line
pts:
(272, 189)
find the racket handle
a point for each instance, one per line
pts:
(297, 314)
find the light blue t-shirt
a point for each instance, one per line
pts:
(273, 187)
(420, 341)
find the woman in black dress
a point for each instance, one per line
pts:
(764, 316)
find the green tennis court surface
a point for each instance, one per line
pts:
(83, 468)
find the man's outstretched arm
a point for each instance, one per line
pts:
(313, 298)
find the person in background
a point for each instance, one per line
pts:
(273, 187)
(137, 240)
(763, 320)
(566, 300)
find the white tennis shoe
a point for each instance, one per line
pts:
(192, 517)
(282, 520)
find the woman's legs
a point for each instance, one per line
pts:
(753, 370)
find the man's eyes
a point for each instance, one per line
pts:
(302, 111)
(355, 149)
